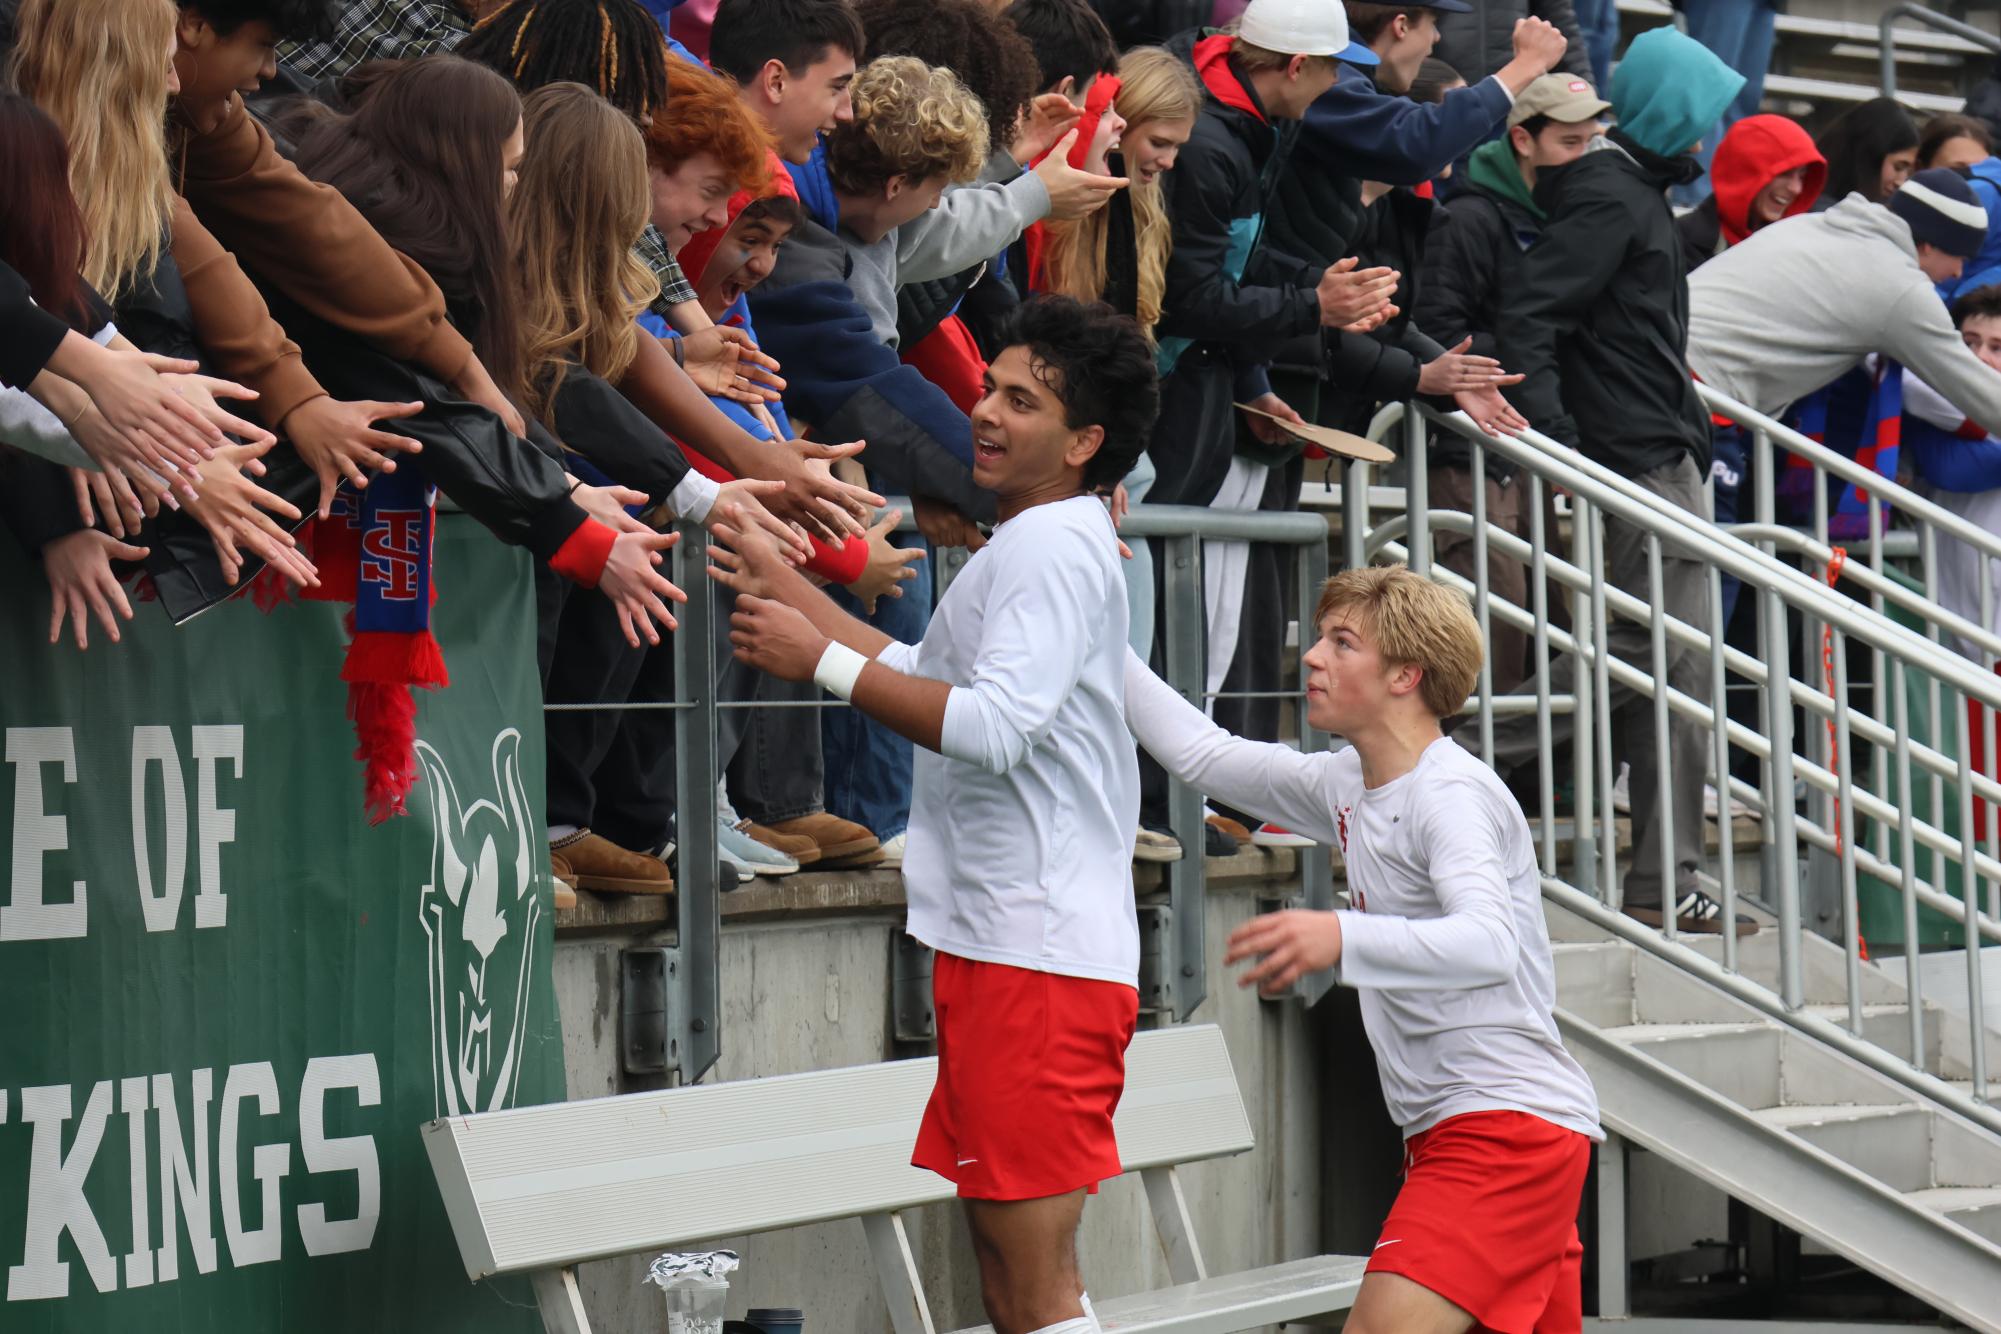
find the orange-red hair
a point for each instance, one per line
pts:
(703, 115)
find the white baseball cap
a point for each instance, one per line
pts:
(1302, 28)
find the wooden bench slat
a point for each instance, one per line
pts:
(1231, 1302)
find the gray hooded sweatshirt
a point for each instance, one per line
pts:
(1800, 302)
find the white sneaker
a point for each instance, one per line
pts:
(1269, 835)
(752, 856)
(1155, 845)
(1738, 810)
(892, 852)
(1622, 791)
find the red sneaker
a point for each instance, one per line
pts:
(1269, 835)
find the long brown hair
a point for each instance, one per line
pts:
(576, 212)
(1154, 85)
(41, 231)
(99, 68)
(420, 158)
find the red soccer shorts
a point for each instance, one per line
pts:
(1487, 1219)
(1030, 1069)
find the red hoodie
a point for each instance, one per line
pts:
(1756, 150)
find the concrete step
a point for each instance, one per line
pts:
(1738, 1061)
(1890, 1143)
(1975, 1208)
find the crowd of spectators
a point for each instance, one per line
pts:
(278, 274)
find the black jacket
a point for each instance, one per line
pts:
(1218, 195)
(1598, 319)
(29, 335)
(1476, 250)
(1365, 370)
(1479, 43)
(594, 419)
(1701, 233)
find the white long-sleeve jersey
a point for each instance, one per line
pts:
(1445, 942)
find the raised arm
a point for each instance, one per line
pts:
(1272, 781)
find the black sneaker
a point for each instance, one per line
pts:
(1216, 843)
(1696, 912)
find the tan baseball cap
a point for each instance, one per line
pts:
(1561, 97)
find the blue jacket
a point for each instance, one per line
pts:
(1952, 462)
(739, 315)
(845, 381)
(1984, 269)
(1362, 132)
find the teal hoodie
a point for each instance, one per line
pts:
(1669, 90)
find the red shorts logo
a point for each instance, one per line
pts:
(389, 553)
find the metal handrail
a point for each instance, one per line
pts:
(1780, 589)
(1887, 489)
(1887, 37)
(1618, 496)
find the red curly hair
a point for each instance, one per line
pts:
(703, 115)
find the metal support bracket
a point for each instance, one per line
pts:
(896, 1271)
(1156, 958)
(912, 1021)
(694, 987)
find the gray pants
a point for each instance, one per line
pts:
(1683, 596)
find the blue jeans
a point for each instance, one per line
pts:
(1599, 20)
(868, 767)
(1740, 33)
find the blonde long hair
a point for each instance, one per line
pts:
(1154, 85)
(99, 68)
(578, 207)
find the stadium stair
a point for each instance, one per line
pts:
(1784, 1122)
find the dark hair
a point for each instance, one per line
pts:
(795, 33)
(41, 229)
(1434, 76)
(614, 46)
(420, 158)
(1858, 141)
(1982, 303)
(1535, 125)
(994, 61)
(292, 20)
(781, 210)
(1068, 38)
(1951, 125)
(1367, 21)
(1100, 366)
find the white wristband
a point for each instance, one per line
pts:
(840, 667)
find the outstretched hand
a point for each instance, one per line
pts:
(1286, 945)
(775, 638)
(747, 561)
(1490, 411)
(637, 589)
(82, 584)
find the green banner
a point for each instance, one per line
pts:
(229, 1002)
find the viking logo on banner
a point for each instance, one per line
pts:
(479, 912)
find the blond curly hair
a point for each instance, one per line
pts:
(911, 119)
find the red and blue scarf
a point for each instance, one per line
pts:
(374, 551)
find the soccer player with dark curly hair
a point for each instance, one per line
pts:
(1019, 866)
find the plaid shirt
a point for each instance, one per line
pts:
(379, 30)
(674, 285)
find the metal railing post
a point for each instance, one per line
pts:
(1726, 826)
(1417, 491)
(1600, 719)
(1886, 38)
(1539, 600)
(1481, 611)
(1355, 515)
(694, 974)
(1184, 966)
(1779, 809)
(1664, 813)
